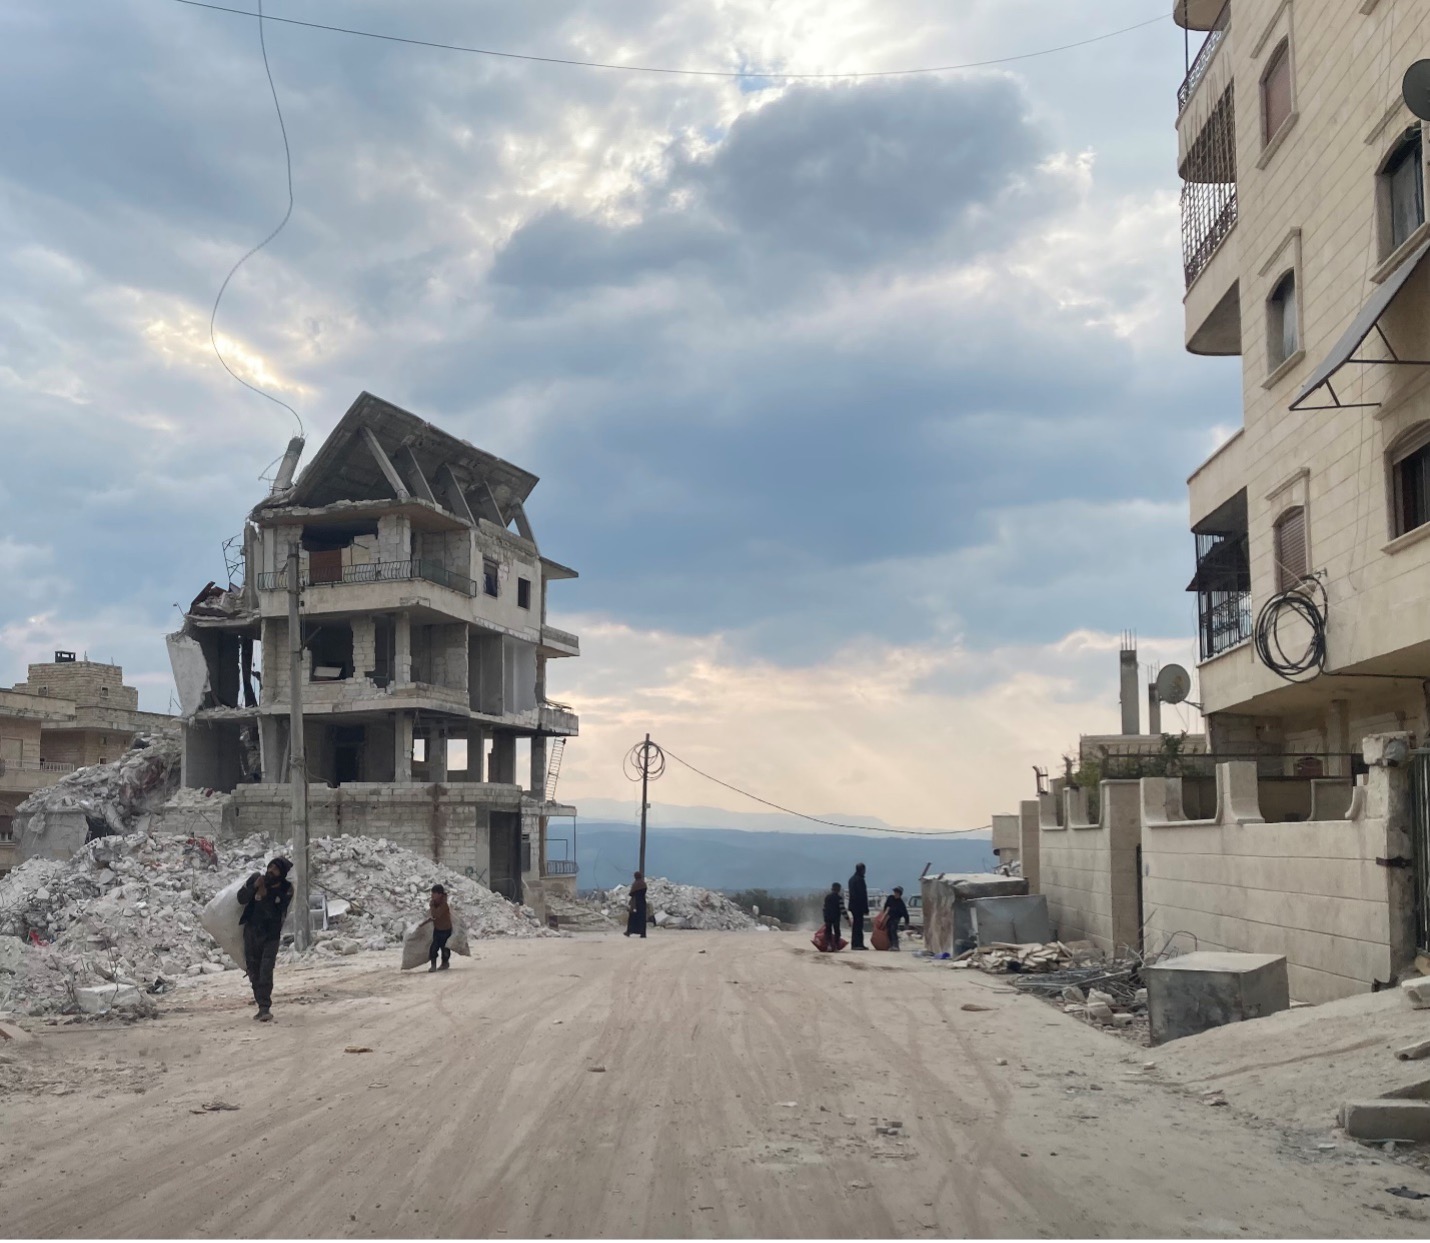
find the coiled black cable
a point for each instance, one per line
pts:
(1305, 600)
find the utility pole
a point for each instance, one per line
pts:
(645, 803)
(297, 763)
(647, 761)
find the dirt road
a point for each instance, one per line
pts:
(706, 1085)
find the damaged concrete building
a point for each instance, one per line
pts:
(67, 714)
(424, 644)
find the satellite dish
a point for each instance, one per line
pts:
(1415, 87)
(1173, 684)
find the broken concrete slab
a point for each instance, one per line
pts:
(105, 997)
(1020, 919)
(1377, 1120)
(1414, 1052)
(1209, 988)
(1417, 992)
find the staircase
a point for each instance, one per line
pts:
(553, 768)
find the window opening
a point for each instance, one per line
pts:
(1276, 93)
(1282, 333)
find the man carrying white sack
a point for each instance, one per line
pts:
(264, 897)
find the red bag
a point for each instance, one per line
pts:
(821, 943)
(879, 938)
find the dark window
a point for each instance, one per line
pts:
(1276, 93)
(104, 690)
(523, 593)
(1289, 545)
(1223, 579)
(1405, 189)
(1282, 329)
(1412, 489)
(332, 651)
(489, 576)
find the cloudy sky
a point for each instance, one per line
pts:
(860, 406)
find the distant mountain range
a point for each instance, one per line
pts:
(778, 861)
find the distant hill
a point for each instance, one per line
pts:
(734, 859)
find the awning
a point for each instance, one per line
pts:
(1362, 326)
(1224, 567)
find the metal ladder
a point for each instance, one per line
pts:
(553, 768)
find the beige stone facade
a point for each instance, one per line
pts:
(67, 714)
(1303, 202)
(424, 649)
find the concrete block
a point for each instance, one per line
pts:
(1207, 989)
(1417, 992)
(106, 997)
(1017, 920)
(1408, 1121)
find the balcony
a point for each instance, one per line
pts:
(376, 572)
(17, 778)
(1208, 171)
(1198, 67)
(561, 867)
(559, 642)
(558, 719)
(1223, 579)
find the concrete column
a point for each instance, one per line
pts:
(538, 769)
(270, 748)
(437, 754)
(1338, 738)
(1238, 801)
(503, 766)
(1030, 826)
(477, 753)
(402, 659)
(402, 750)
(1130, 690)
(1154, 711)
(1388, 795)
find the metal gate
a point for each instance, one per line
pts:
(1420, 843)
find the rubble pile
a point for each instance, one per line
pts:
(111, 797)
(1076, 977)
(582, 915)
(125, 910)
(683, 906)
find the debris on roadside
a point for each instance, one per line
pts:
(117, 925)
(682, 906)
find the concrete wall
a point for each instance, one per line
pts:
(1088, 872)
(1311, 891)
(83, 681)
(448, 824)
(1008, 838)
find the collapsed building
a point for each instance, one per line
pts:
(424, 650)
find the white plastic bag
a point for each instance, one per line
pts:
(220, 920)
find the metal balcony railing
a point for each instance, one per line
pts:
(1209, 209)
(1197, 70)
(562, 867)
(44, 766)
(377, 572)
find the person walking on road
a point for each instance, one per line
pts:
(833, 915)
(858, 908)
(636, 920)
(441, 916)
(895, 911)
(265, 897)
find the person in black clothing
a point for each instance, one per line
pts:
(858, 908)
(636, 909)
(264, 897)
(833, 915)
(897, 912)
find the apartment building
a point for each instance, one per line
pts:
(424, 650)
(1304, 243)
(67, 714)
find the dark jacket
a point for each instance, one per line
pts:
(265, 915)
(833, 908)
(858, 895)
(898, 912)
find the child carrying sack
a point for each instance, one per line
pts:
(417, 944)
(821, 943)
(879, 938)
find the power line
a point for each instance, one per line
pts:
(696, 73)
(288, 161)
(862, 828)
